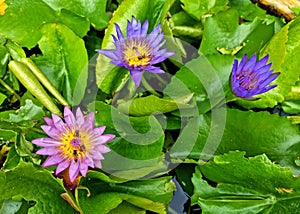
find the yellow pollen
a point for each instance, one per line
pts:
(136, 54)
(74, 145)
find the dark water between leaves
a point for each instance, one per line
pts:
(181, 203)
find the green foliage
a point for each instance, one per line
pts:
(64, 61)
(245, 185)
(27, 33)
(34, 184)
(94, 10)
(154, 11)
(283, 49)
(232, 159)
(153, 195)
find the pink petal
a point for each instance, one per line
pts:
(52, 160)
(53, 150)
(69, 117)
(97, 155)
(49, 121)
(45, 142)
(79, 118)
(100, 130)
(98, 164)
(102, 139)
(58, 123)
(73, 170)
(89, 161)
(62, 166)
(83, 168)
(89, 122)
(51, 131)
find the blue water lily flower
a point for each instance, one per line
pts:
(138, 51)
(252, 77)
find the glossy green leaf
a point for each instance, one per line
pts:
(138, 145)
(30, 82)
(27, 112)
(152, 104)
(284, 51)
(205, 77)
(10, 206)
(152, 195)
(255, 133)
(249, 11)
(245, 185)
(2, 98)
(4, 57)
(197, 8)
(94, 10)
(64, 61)
(12, 159)
(154, 11)
(126, 207)
(27, 33)
(32, 184)
(229, 37)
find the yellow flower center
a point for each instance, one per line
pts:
(136, 53)
(3, 7)
(74, 145)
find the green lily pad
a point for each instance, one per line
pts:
(245, 185)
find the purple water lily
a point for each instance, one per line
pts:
(138, 51)
(252, 77)
(74, 144)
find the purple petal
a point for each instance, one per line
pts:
(119, 32)
(136, 77)
(242, 63)
(155, 70)
(112, 54)
(268, 80)
(250, 64)
(73, 170)
(144, 29)
(262, 62)
(164, 55)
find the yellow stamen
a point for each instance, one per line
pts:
(74, 145)
(136, 53)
